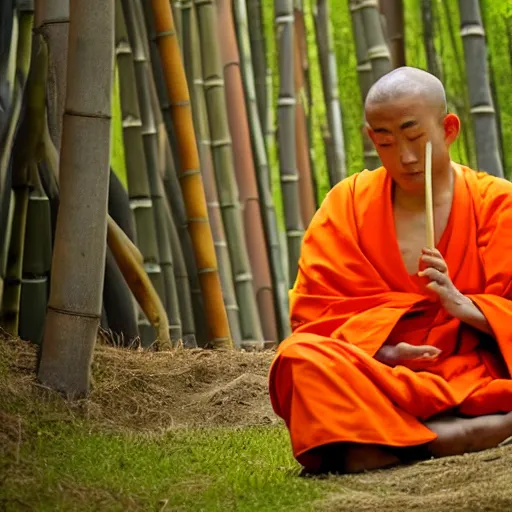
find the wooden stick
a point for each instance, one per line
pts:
(429, 207)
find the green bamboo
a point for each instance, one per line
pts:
(10, 306)
(224, 172)
(482, 108)
(137, 169)
(262, 172)
(286, 138)
(335, 146)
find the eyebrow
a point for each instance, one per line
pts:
(403, 126)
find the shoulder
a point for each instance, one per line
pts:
(490, 192)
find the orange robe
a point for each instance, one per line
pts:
(353, 294)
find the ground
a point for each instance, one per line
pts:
(194, 430)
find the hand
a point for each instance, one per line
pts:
(403, 353)
(435, 269)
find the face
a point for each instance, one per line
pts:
(400, 130)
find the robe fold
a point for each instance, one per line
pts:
(353, 294)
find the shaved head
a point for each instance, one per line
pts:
(407, 82)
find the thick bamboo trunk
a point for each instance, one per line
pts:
(139, 43)
(263, 173)
(225, 174)
(482, 109)
(335, 148)
(78, 262)
(190, 175)
(306, 192)
(286, 134)
(393, 11)
(193, 64)
(245, 171)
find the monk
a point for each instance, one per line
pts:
(401, 352)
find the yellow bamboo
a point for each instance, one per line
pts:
(190, 175)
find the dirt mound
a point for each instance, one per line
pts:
(148, 391)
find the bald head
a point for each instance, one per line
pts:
(407, 82)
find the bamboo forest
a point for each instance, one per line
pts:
(160, 162)
(228, 124)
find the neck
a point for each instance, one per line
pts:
(442, 192)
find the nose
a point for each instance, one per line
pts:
(407, 154)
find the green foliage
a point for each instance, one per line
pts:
(117, 158)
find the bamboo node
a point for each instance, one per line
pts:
(152, 268)
(165, 33)
(357, 5)
(123, 48)
(286, 101)
(140, 203)
(209, 270)
(378, 52)
(131, 122)
(286, 178)
(213, 82)
(472, 30)
(220, 142)
(68, 312)
(243, 278)
(220, 243)
(284, 18)
(295, 233)
(482, 109)
(232, 307)
(189, 173)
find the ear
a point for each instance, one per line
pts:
(451, 127)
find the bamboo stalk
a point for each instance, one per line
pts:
(482, 108)
(227, 188)
(74, 307)
(193, 64)
(335, 148)
(20, 184)
(245, 172)
(136, 31)
(286, 139)
(263, 173)
(190, 176)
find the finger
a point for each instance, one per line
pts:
(434, 275)
(436, 262)
(432, 250)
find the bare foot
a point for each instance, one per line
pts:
(464, 435)
(366, 457)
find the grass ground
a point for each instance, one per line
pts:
(194, 431)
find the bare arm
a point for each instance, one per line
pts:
(470, 314)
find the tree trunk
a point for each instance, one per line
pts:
(286, 134)
(78, 260)
(482, 109)
(190, 177)
(263, 173)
